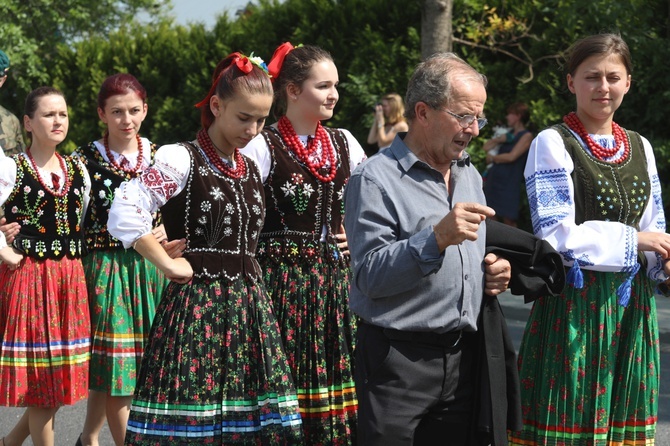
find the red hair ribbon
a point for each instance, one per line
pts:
(274, 67)
(242, 62)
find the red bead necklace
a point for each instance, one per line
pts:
(133, 171)
(308, 155)
(212, 153)
(48, 188)
(598, 151)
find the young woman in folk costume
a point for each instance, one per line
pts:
(123, 287)
(44, 316)
(214, 370)
(302, 247)
(589, 359)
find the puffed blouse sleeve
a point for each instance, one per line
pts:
(259, 152)
(552, 203)
(136, 200)
(356, 153)
(7, 182)
(653, 219)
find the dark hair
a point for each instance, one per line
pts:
(521, 110)
(597, 45)
(295, 70)
(118, 84)
(35, 95)
(228, 80)
(431, 82)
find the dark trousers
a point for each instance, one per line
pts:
(412, 392)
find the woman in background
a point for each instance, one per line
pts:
(389, 120)
(503, 180)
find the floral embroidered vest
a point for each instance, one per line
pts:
(219, 217)
(299, 205)
(608, 191)
(50, 225)
(105, 178)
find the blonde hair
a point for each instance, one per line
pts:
(396, 108)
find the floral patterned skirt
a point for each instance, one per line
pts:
(311, 300)
(45, 332)
(214, 371)
(589, 368)
(123, 290)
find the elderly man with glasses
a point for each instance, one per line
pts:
(414, 217)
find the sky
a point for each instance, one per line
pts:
(204, 11)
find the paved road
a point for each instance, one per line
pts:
(70, 420)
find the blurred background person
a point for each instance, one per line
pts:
(505, 176)
(11, 138)
(389, 120)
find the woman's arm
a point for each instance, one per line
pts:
(377, 125)
(491, 143)
(521, 147)
(177, 270)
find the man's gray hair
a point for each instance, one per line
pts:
(432, 79)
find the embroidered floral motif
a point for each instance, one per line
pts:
(215, 227)
(340, 197)
(159, 183)
(299, 191)
(108, 194)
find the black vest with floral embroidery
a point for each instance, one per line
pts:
(50, 225)
(299, 204)
(220, 218)
(105, 178)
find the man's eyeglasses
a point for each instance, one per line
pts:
(466, 121)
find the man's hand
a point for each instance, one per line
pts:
(342, 243)
(461, 224)
(498, 273)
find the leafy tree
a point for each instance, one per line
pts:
(174, 64)
(32, 31)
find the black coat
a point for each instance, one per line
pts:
(537, 270)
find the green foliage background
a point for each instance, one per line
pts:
(75, 44)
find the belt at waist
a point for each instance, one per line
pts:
(449, 339)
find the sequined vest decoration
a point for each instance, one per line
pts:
(299, 205)
(219, 217)
(105, 178)
(50, 225)
(608, 191)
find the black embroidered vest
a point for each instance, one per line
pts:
(50, 225)
(608, 191)
(105, 178)
(298, 204)
(219, 217)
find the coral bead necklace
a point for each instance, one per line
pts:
(133, 171)
(212, 153)
(53, 190)
(598, 151)
(308, 155)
